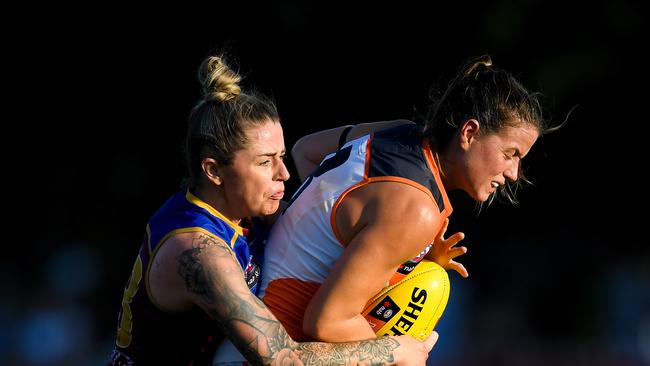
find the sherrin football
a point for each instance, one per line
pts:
(411, 306)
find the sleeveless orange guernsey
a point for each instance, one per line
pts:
(304, 243)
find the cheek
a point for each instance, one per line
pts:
(493, 163)
(238, 190)
(258, 186)
(483, 168)
(481, 165)
(246, 186)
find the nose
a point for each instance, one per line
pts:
(512, 172)
(282, 173)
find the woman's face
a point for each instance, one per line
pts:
(253, 184)
(492, 158)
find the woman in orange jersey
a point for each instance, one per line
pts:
(380, 201)
(194, 281)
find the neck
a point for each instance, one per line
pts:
(445, 166)
(216, 200)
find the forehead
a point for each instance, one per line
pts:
(265, 137)
(521, 136)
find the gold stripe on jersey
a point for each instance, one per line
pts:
(197, 201)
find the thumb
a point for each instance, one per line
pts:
(431, 340)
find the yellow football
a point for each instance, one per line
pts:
(413, 305)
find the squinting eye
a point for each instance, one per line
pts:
(265, 162)
(282, 157)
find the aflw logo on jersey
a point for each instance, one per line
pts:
(385, 310)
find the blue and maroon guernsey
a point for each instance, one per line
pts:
(147, 335)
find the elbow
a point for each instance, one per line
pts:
(298, 149)
(301, 159)
(319, 331)
(311, 326)
(315, 326)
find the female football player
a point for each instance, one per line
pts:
(381, 202)
(194, 281)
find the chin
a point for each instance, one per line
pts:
(270, 209)
(481, 197)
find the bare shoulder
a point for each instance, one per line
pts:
(406, 200)
(399, 212)
(390, 200)
(405, 207)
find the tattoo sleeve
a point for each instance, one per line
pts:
(213, 275)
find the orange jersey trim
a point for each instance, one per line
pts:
(436, 173)
(432, 166)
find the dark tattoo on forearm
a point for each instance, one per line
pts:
(253, 329)
(372, 352)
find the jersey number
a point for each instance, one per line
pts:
(125, 319)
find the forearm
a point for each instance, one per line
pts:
(263, 341)
(310, 150)
(215, 283)
(325, 328)
(269, 344)
(368, 127)
(372, 352)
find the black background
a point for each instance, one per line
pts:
(103, 96)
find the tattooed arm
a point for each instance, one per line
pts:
(203, 271)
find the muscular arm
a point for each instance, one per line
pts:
(210, 277)
(397, 222)
(310, 150)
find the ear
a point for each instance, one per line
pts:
(469, 132)
(210, 169)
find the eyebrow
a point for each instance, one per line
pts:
(516, 150)
(518, 153)
(271, 154)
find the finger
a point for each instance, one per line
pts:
(458, 267)
(454, 239)
(443, 230)
(458, 251)
(431, 340)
